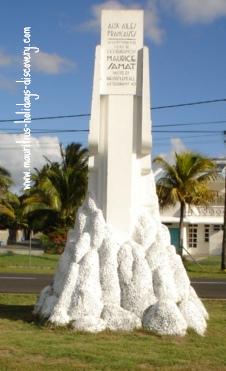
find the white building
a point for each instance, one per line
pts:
(203, 226)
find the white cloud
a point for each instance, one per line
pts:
(5, 83)
(11, 155)
(52, 64)
(192, 11)
(5, 59)
(189, 11)
(152, 27)
(151, 18)
(94, 22)
(177, 145)
(49, 63)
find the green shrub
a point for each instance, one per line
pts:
(54, 242)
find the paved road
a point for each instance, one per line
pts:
(23, 283)
(210, 288)
(33, 283)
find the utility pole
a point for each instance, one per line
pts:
(223, 252)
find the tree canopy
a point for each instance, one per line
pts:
(8, 200)
(58, 190)
(186, 181)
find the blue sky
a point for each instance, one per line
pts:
(188, 63)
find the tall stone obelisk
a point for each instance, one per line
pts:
(120, 126)
(119, 270)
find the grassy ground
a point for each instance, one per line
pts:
(208, 267)
(23, 264)
(26, 345)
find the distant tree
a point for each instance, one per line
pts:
(185, 181)
(7, 199)
(5, 178)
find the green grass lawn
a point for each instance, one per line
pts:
(208, 267)
(26, 345)
(47, 263)
(13, 263)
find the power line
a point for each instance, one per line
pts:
(185, 140)
(88, 114)
(87, 130)
(158, 143)
(189, 123)
(190, 103)
(157, 140)
(49, 117)
(198, 137)
(162, 125)
(188, 131)
(51, 131)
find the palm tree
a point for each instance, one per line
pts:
(7, 198)
(59, 188)
(5, 178)
(185, 181)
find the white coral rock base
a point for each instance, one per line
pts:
(101, 284)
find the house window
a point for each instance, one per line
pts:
(206, 232)
(192, 235)
(217, 227)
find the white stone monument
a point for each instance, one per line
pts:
(119, 270)
(120, 127)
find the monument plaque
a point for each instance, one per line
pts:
(121, 40)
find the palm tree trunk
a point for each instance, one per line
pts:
(181, 228)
